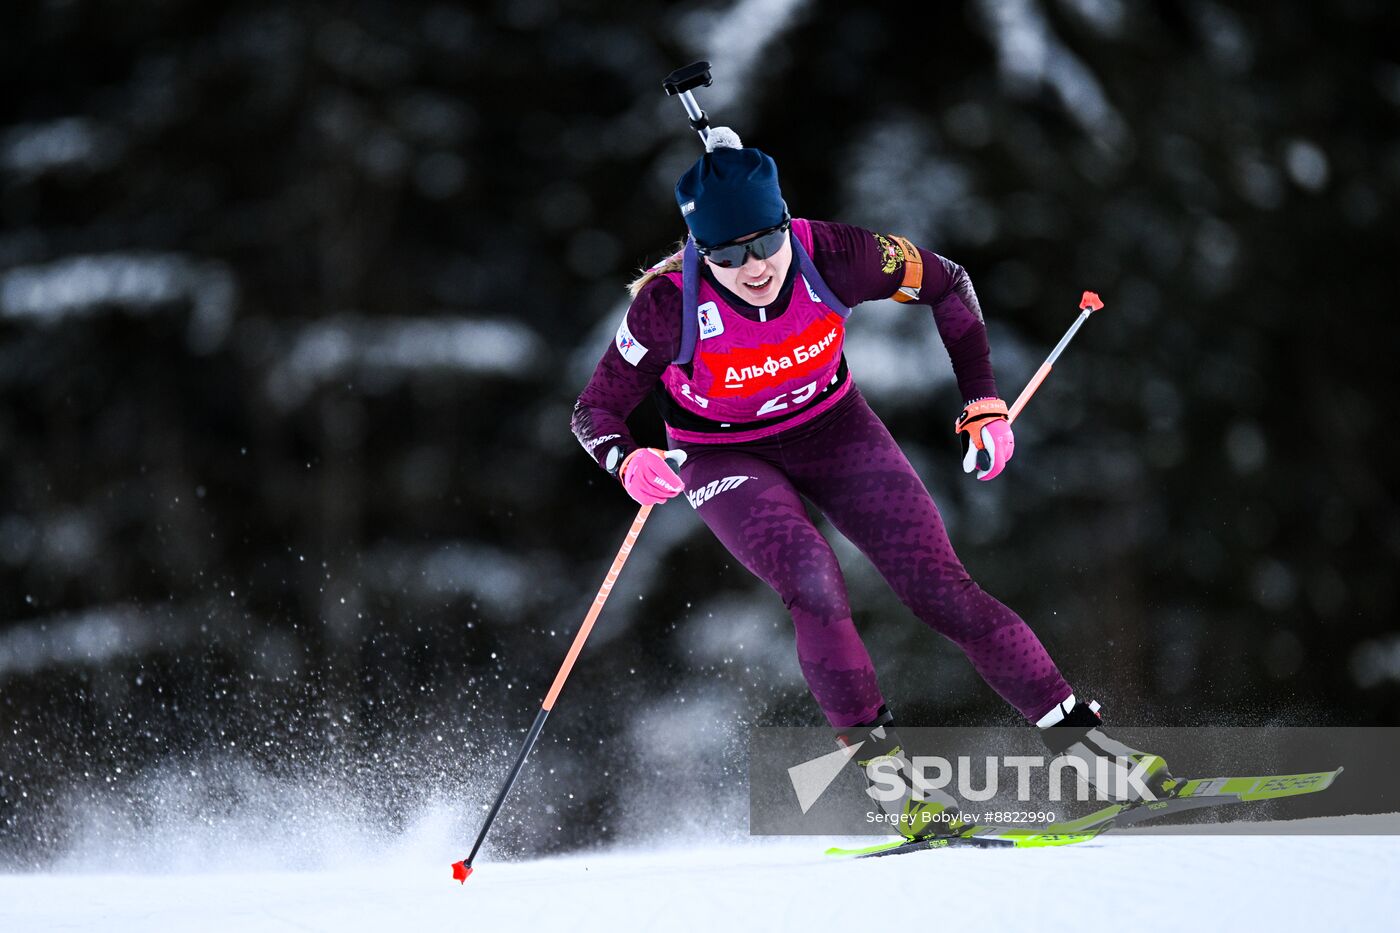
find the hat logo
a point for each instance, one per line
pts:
(687, 208)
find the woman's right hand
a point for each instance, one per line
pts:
(649, 478)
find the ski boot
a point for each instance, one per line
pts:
(1072, 729)
(876, 749)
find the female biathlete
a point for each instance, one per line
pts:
(738, 337)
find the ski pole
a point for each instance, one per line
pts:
(1089, 302)
(460, 870)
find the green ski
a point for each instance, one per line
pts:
(1186, 794)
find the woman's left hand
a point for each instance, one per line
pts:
(988, 442)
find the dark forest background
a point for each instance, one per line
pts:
(295, 300)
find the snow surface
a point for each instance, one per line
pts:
(1138, 881)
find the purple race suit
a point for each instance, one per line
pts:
(770, 417)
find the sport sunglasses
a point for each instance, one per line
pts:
(729, 255)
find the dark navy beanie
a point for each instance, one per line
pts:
(729, 193)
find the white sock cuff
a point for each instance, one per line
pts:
(1057, 712)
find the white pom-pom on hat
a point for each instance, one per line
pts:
(722, 137)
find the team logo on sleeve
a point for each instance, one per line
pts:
(631, 349)
(711, 324)
(891, 254)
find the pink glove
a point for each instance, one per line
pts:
(999, 444)
(987, 439)
(647, 476)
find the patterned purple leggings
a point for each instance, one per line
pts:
(848, 466)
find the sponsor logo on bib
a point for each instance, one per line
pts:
(747, 371)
